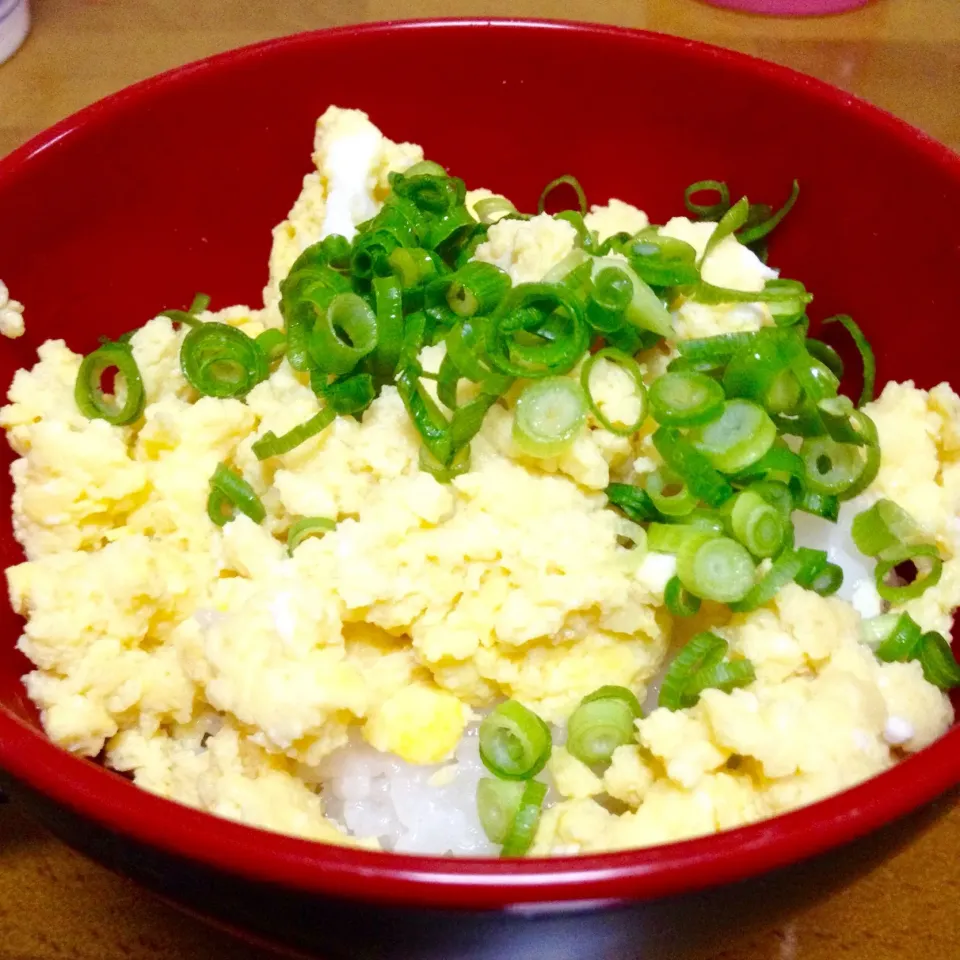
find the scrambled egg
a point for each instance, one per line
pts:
(215, 668)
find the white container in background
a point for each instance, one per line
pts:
(14, 26)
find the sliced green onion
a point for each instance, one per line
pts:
(773, 292)
(305, 294)
(566, 180)
(740, 436)
(630, 366)
(491, 209)
(826, 355)
(497, 804)
(662, 261)
(547, 314)
(645, 309)
(702, 519)
(875, 630)
(271, 445)
(777, 494)
(882, 526)
(425, 168)
(611, 295)
(514, 742)
(670, 495)
(760, 527)
(616, 692)
(221, 361)
(783, 394)
(759, 231)
(188, 317)
(444, 473)
(759, 372)
(477, 287)
(866, 355)
(679, 600)
(685, 399)
(903, 553)
(548, 416)
(229, 491)
(716, 568)
(273, 343)
(716, 351)
(586, 239)
(902, 642)
(703, 651)
(844, 423)
(633, 501)
(673, 537)
(787, 302)
(940, 666)
(707, 211)
(826, 581)
(824, 505)
(388, 297)
(831, 467)
(336, 248)
(88, 393)
(778, 463)
(344, 334)
(725, 676)
(728, 224)
(600, 724)
(413, 266)
(307, 527)
(784, 570)
(524, 827)
(692, 466)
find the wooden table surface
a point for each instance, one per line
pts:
(903, 55)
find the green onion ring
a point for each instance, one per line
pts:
(679, 600)
(902, 642)
(548, 416)
(565, 180)
(709, 211)
(515, 743)
(702, 651)
(882, 526)
(628, 364)
(229, 490)
(88, 393)
(308, 527)
(940, 666)
(685, 399)
(524, 827)
(599, 725)
(716, 568)
(497, 804)
(903, 553)
(221, 361)
(866, 356)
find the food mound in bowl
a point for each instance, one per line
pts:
(489, 532)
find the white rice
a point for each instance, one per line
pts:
(408, 808)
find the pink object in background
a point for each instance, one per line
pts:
(14, 26)
(791, 8)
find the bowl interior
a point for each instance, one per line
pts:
(174, 186)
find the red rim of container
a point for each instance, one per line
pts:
(110, 800)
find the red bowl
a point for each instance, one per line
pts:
(174, 184)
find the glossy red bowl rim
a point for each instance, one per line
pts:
(113, 802)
